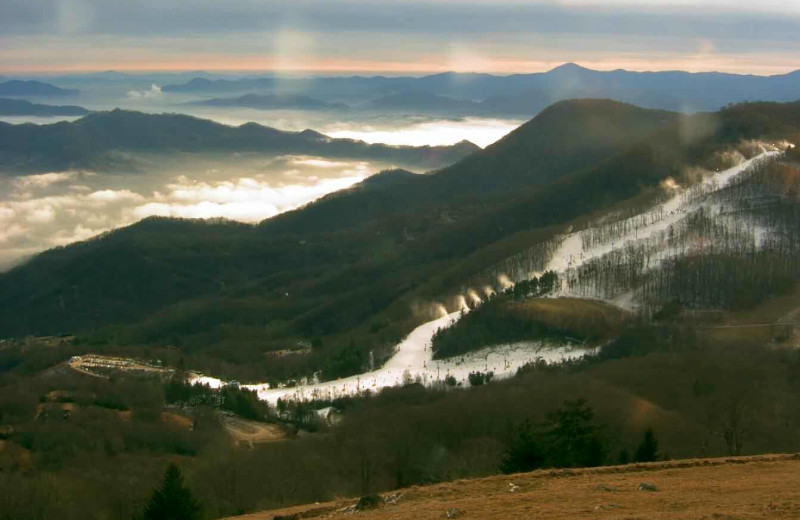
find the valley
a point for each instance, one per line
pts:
(409, 259)
(413, 330)
(413, 359)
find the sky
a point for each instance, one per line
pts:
(398, 36)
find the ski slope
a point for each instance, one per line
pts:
(652, 224)
(413, 362)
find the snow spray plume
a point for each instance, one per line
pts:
(728, 159)
(669, 184)
(474, 296)
(504, 281)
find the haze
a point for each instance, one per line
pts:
(161, 45)
(503, 36)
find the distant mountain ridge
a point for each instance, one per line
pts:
(221, 85)
(537, 153)
(17, 87)
(92, 141)
(272, 102)
(355, 271)
(527, 94)
(21, 107)
(420, 101)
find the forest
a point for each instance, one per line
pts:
(667, 380)
(648, 395)
(730, 249)
(356, 271)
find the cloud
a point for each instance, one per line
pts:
(38, 212)
(6, 214)
(41, 215)
(482, 132)
(318, 163)
(76, 234)
(153, 92)
(245, 211)
(9, 232)
(105, 196)
(43, 180)
(503, 35)
(244, 199)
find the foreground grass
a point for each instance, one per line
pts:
(733, 488)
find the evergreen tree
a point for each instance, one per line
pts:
(524, 453)
(572, 436)
(648, 448)
(173, 500)
(623, 457)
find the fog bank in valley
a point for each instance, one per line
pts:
(38, 212)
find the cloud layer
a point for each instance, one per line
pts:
(38, 212)
(501, 35)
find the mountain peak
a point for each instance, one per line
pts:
(313, 134)
(386, 178)
(568, 67)
(466, 144)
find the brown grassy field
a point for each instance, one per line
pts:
(176, 420)
(583, 316)
(744, 325)
(244, 431)
(740, 488)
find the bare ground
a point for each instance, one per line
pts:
(740, 488)
(252, 432)
(583, 316)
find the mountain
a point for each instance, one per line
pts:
(567, 137)
(673, 90)
(97, 139)
(421, 101)
(272, 102)
(355, 271)
(16, 87)
(202, 85)
(386, 178)
(564, 138)
(523, 95)
(21, 107)
(323, 87)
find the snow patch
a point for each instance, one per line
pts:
(413, 362)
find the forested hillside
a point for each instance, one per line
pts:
(567, 138)
(100, 140)
(355, 271)
(695, 402)
(689, 371)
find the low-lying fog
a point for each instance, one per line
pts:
(394, 129)
(434, 132)
(38, 212)
(415, 128)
